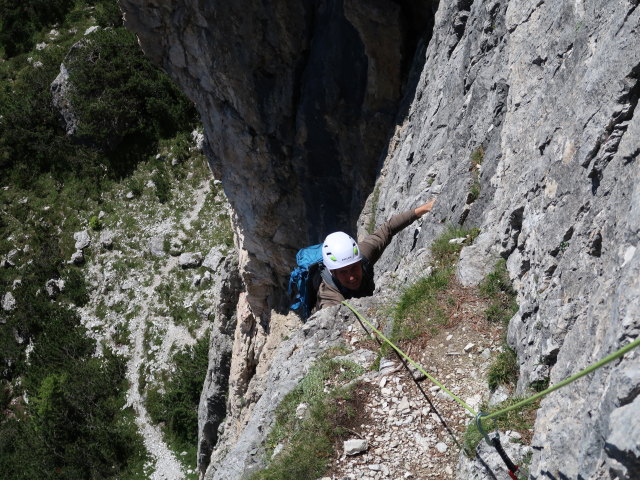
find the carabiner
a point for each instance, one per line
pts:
(481, 429)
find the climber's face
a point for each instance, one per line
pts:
(349, 276)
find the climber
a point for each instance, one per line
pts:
(348, 271)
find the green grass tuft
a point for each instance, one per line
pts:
(446, 254)
(418, 311)
(504, 370)
(477, 156)
(497, 287)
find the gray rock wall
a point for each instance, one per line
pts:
(212, 407)
(549, 90)
(240, 455)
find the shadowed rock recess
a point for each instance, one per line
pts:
(311, 106)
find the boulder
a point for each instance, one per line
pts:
(54, 287)
(190, 260)
(8, 302)
(106, 239)
(60, 91)
(10, 259)
(77, 258)
(156, 246)
(175, 247)
(213, 259)
(83, 240)
(355, 446)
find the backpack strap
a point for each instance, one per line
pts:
(328, 278)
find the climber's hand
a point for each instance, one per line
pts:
(422, 209)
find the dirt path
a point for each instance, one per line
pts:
(167, 466)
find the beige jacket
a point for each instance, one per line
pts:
(371, 247)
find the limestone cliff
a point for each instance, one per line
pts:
(307, 104)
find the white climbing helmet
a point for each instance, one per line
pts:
(339, 250)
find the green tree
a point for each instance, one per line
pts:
(123, 103)
(20, 20)
(178, 406)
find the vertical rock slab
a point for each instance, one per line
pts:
(549, 90)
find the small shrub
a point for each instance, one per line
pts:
(504, 370)
(75, 288)
(107, 14)
(180, 149)
(163, 185)
(101, 310)
(129, 225)
(95, 223)
(136, 185)
(121, 334)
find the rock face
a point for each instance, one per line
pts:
(547, 92)
(297, 100)
(60, 96)
(212, 408)
(245, 453)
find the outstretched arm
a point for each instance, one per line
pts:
(373, 245)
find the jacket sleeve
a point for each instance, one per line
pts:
(372, 246)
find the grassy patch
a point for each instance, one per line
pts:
(422, 308)
(308, 441)
(477, 157)
(418, 311)
(502, 306)
(445, 254)
(520, 421)
(539, 385)
(474, 193)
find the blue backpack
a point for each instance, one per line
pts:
(305, 280)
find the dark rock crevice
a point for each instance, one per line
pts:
(607, 144)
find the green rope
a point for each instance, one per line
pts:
(567, 381)
(515, 406)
